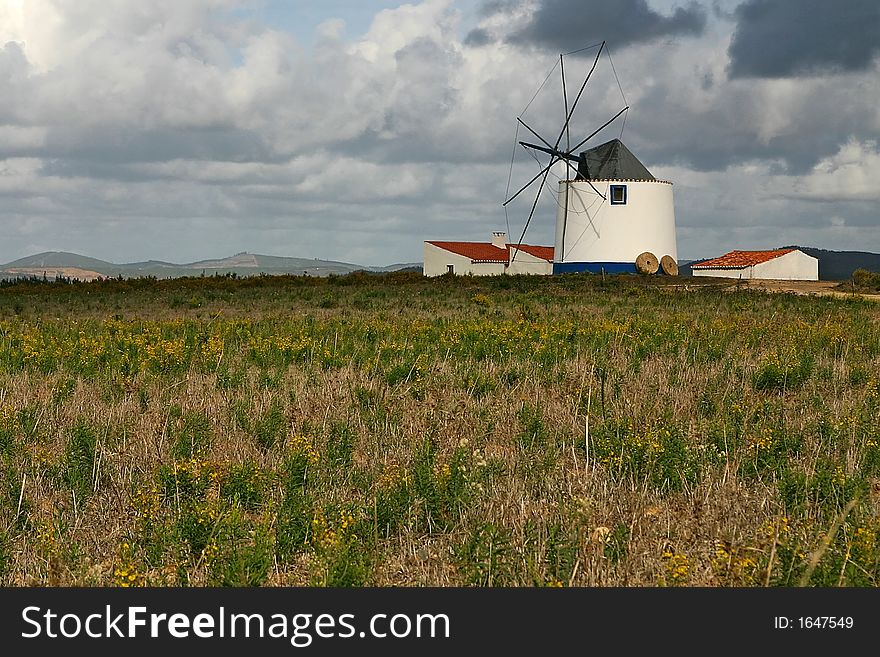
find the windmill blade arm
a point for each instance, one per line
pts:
(565, 101)
(542, 172)
(579, 94)
(568, 158)
(604, 198)
(527, 127)
(555, 152)
(601, 128)
(546, 173)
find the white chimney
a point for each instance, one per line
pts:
(499, 239)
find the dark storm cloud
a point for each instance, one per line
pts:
(115, 153)
(478, 37)
(492, 7)
(571, 24)
(787, 38)
(730, 134)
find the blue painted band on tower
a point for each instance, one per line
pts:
(594, 267)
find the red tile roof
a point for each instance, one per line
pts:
(741, 259)
(486, 252)
(477, 251)
(542, 252)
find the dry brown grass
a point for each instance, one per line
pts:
(727, 433)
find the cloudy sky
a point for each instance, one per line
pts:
(353, 130)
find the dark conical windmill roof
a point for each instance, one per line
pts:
(614, 161)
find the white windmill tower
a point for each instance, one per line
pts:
(613, 215)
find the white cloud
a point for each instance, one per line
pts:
(849, 175)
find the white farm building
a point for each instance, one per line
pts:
(486, 258)
(778, 264)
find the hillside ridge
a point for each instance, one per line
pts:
(74, 265)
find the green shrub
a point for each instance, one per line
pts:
(780, 373)
(442, 486)
(617, 544)
(271, 426)
(866, 280)
(196, 526)
(294, 518)
(244, 553)
(7, 437)
(244, 484)
(340, 445)
(79, 458)
(392, 502)
(192, 436)
(5, 554)
(293, 524)
(485, 558)
(533, 431)
(658, 455)
(561, 552)
(828, 489)
(185, 481)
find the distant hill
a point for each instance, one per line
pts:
(55, 259)
(840, 265)
(72, 265)
(401, 266)
(684, 267)
(833, 265)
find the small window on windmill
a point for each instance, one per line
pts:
(450, 269)
(618, 194)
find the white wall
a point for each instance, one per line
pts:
(793, 266)
(596, 231)
(526, 263)
(744, 273)
(437, 259)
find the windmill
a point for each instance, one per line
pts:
(612, 214)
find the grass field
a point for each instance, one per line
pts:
(391, 430)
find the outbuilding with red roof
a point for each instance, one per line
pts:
(486, 258)
(777, 264)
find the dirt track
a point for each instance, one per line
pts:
(815, 288)
(818, 288)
